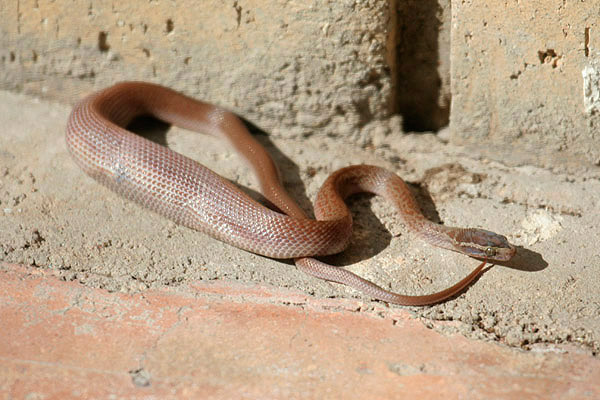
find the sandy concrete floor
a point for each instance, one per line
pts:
(54, 217)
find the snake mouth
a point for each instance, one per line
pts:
(509, 252)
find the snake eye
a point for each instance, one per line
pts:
(490, 252)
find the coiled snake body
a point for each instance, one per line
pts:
(192, 195)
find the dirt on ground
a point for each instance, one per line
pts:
(53, 216)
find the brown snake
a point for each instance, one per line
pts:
(192, 195)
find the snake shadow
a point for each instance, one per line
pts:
(369, 235)
(366, 223)
(150, 128)
(524, 259)
(156, 130)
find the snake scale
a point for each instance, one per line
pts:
(192, 195)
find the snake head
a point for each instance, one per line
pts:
(484, 245)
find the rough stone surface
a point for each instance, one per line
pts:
(223, 341)
(522, 76)
(291, 67)
(53, 216)
(522, 89)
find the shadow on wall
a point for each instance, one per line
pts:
(421, 99)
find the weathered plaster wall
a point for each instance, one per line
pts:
(516, 81)
(291, 67)
(524, 76)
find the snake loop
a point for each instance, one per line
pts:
(192, 195)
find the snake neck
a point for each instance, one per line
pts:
(435, 234)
